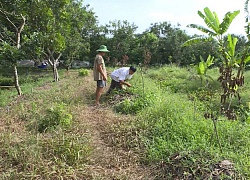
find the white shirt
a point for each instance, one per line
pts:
(121, 74)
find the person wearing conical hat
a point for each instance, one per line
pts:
(100, 73)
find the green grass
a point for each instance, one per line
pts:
(28, 152)
(28, 79)
(175, 123)
(168, 130)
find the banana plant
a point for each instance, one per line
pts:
(202, 67)
(215, 30)
(247, 26)
(229, 60)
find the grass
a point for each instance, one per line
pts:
(159, 133)
(27, 153)
(175, 124)
(78, 151)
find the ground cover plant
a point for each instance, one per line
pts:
(175, 122)
(167, 135)
(176, 135)
(41, 145)
(29, 77)
(52, 132)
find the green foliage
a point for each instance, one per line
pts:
(203, 66)
(71, 150)
(229, 60)
(10, 54)
(6, 81)
(244, 113)
(170, 133)
(175, 85)
(175, 133)
(83, 72)
(29, 78)
(180, 80)
(122, 33)
(136, 104)
(212, 21)
(55, 116)
(171, 125)
(215, 28)
(175, 125)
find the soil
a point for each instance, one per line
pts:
(107, 160)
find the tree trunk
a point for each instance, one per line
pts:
(53, 63)
(55, 72)
(18, 88)
(16, 81)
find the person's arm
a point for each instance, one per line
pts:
(99, 68)
(125, 83)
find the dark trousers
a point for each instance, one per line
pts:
(114, 85)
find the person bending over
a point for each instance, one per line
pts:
(119, 77)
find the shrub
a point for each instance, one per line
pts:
(83, 72)
(136, 104)
(55, 116)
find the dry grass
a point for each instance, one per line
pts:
(23, 157)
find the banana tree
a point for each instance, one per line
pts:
(229, 60)
(202, 67)
(215, 30)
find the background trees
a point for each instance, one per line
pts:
(12, 18)
(52, 29)
(65, 30)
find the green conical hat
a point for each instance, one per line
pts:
(103, 48)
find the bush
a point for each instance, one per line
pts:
(55, 116)
(136, 104)
(83, 72)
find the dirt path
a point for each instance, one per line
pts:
(107, 161)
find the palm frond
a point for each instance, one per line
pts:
(232, 41)
(196, 40)
(247, 60)
(246, 6)
(211, 19)
(202, 29)
(247, 26)
(209, 61)
(201, 58)
(217, 21)
(206, 20)
(201, 15)
(229, 17)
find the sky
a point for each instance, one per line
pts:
(184, 12)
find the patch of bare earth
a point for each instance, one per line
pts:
(107, 161)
